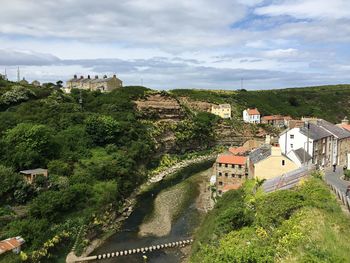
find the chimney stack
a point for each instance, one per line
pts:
(114, 76)
(105, 76)
(81, 77)
(96, 77)
(345, 121)
(75, 76)
(88, 76)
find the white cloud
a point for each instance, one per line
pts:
(304, 9)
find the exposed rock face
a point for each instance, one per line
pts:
(160, 106)
(196, 105)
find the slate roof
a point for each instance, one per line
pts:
(334, 129)
(260, 154)
(315, 131)
(299, 153)
(324, 129)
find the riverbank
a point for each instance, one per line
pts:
(182, 172)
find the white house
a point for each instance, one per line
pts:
(251, 116)
(293, 139)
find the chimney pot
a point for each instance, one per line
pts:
(114, 76)
(96, 77)
(88, 76)
(75, 76)
(81, 77)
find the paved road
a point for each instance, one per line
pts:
(334, 178)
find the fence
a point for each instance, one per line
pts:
(341, 195)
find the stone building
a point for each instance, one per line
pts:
(230, 170)
(276, 120)
(104, 84)
(36, 83)
(222, 110)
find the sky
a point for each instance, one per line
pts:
(167, 44)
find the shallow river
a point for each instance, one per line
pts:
(182, 227)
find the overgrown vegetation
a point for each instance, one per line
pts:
(97, 149)
(301, 225)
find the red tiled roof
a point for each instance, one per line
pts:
(231, 159)
(345, 126)
(253, 111)
(9, 244)
(231, 187)
(275, 117)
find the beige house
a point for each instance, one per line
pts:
(36, 83)
(104, 84)
(222, 110)
(30, 175)
(268, 162)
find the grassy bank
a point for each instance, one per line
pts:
(301, 225)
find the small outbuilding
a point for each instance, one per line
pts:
(11, 244)
(30, 175)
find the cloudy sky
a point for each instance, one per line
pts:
(179, 43)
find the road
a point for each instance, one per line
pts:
(335, 180)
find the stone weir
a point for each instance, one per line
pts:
(71, 258)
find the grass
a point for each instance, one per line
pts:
(301, 225)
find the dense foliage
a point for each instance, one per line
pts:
(300, 225)
(97, 149)
(95, 153)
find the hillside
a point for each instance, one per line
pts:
(301, 225)
(328, 102)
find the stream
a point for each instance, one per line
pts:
(188, 190)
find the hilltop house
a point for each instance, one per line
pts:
(30, 175)
(36, 83)
(222, 110)
(230, 171)
(104, 85)
(268, 162)
(11, 244)
(251, 116)
(325, 142)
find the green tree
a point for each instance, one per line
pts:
(102, 129)
(29, 145)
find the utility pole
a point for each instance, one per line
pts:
(18, 75)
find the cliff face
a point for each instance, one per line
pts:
(196, 105)
(160, 106)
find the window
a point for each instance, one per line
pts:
(220, 183)
(291, 145)
(219, 164)
(240, 166)
(220, 174)
(226, 174)
(220, 192)
(283, 162)
(239, 176)
(233, 175)
(291, 136)
(233, 166)
(226, 165)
